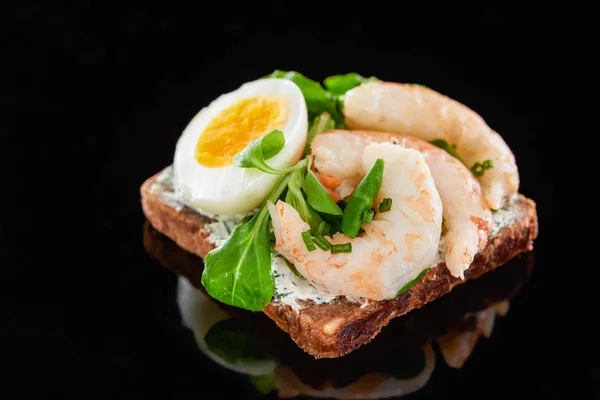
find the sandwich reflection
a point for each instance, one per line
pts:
(400, 360)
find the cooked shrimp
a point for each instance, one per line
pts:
(466, 215)
(424, 113)
(393, 249)
(340, 157)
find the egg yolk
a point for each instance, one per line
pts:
(233, 128)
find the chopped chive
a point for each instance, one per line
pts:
(341, 248)
(368, 216)
(323, 229)
(308, 241)
(385, 205)
(280, 295)
(478, 168)
(451, 149)
(323, 243)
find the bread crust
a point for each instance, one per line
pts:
(336, 328)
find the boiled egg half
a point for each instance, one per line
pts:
(205, 174)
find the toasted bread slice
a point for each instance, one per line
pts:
(336, 328)
(453, 312)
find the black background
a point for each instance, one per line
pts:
(94, 97)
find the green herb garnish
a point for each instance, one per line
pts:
(321, 99)
(478, 169)
(323, 229)
(441, 143)
(361, 199)
(340, 84)
(318, 197)
(419, 84)
(318, 100)
(323, 243)
(290, 266)
(308, 241)
(385, 205)
(295, 198)
(368, 216)
(238, 273)
(410, 284)
(341, 248)
(261, 149)
(334, 222)
(279, 296)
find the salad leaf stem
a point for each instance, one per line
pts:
(261, 149)
(295, 198)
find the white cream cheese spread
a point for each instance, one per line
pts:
(219, 229)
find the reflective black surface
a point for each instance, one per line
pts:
(93, 101)
(399, 361)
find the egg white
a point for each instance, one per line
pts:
(232, 190)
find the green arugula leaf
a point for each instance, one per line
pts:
(238, 273)
(231, 340)
(318, 100)
(361, 199)
(340, 84)
(295, 198)
(318, 197)
(321, 99)
(410, 284)
(261, 149)
(321, 123)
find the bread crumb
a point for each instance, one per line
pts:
(332, 326)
